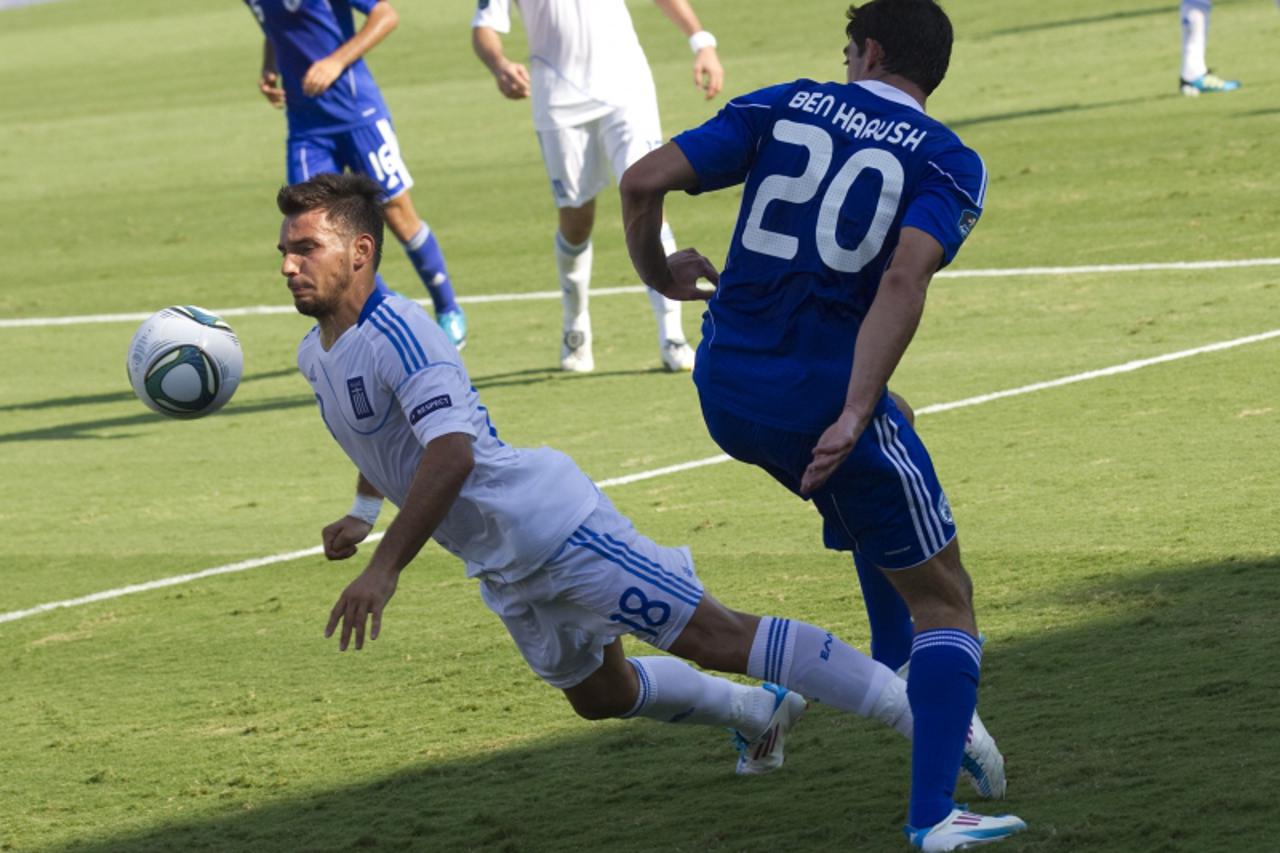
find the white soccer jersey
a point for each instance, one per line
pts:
(393, 382)
(584, 57)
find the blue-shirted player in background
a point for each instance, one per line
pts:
(312, 66)
(853, 199)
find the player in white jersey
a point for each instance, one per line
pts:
(567, 574)
(594, 110)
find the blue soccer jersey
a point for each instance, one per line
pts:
(832, 173)
(304, 31)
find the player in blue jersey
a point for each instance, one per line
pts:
(853, 198)
(564, 570)
(313, 67)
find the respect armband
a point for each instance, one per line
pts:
(701, 39)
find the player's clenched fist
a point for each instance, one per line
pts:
(269, 86)
(513, 80)
(341, 538)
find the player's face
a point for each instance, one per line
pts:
(316, 261)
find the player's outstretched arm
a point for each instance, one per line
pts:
(269, 79)
(886, 331)
(382, 19)
(643, 187)
(708, 74)
(446, 463)
(512, 77)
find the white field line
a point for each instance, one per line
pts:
(258, 562)
(80, 319)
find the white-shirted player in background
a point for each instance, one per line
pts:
(594, 109)
(565, 571)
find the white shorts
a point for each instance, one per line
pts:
(578, 158)
(607, 580)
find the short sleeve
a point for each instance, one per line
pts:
(949, 199)
(722, 149)
(416, 364)
(437, 401)
(494, 14)
(364, 7)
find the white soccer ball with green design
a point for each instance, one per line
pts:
(185, 362)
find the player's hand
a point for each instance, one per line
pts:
(688, 267)
(320, 76)
(363, 599)
(341, 538)
(269, 86)
(708, 74)
(513, 80)
(832, 449)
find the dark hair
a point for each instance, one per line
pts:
(352, 202)
(915, 34)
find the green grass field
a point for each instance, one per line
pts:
(1121, 530)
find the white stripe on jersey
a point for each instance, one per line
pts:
(982, 187)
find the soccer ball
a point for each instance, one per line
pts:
(184, 362)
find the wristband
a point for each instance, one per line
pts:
(366, 508)
(701, 39)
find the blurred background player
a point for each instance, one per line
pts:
(1196, 76)
(594, 109)
(312, 66)
(852, 199)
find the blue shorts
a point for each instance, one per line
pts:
(370, 149)
(884, 501)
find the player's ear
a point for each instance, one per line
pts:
(873, 53)
(362, 251)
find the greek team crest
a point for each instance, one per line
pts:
(944, 509)
(360, 404)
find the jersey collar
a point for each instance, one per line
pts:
(379, 293)
(890, 93)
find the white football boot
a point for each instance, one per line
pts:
(962, 829)
(677, 356)
(575, 352)
(982, 764)
(764, 754)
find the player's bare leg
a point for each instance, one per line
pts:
(424, 253)
(573, 265)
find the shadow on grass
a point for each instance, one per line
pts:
(1040, 26)
(91, 429)
(1148, 725)
(120, 396)
(539, 375)
(995, 118)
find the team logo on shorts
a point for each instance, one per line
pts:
(968, 219)
(557, 187)
(944, 509)
(359, 398)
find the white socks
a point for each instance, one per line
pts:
(573, 263)
(1195, 32)
(671, 691)
(666, 311)
(823, 668)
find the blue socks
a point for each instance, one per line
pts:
(891, 628)
(943, 691)
(424, 253)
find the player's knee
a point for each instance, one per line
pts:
(717, 638)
